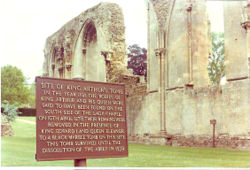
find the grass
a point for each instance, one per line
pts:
(19, 150)
(30, 118)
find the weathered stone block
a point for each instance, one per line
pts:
(236, 58)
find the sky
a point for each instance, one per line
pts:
(25, 25)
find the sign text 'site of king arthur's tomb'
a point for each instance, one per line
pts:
(78, 119)
(175, 105)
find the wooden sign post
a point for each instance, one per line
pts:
(80, 120)
(213, 122)
(80, 162)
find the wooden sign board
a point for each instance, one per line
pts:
(213, 121)
(80, 119)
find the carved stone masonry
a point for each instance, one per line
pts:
(78, 42)
(107, 55)
(161, 54)
(246, 25)
(53, 67)
(246, 17)
(189, 9)
(84, 51)
(158, 53)
(68, 66)
(60, 63)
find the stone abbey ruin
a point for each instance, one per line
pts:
(175, 105)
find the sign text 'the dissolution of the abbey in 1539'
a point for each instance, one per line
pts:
(80, 119)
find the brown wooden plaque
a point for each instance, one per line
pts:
(80, 119)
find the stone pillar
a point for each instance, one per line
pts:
(189, 79)
(61, 68)
(246, 26)
(53, 67)
(161, 55)
(79, 70)
(46, 65)
(107, 57)
(68, 67)
(236, 57)
(148, 47)
(153, 29)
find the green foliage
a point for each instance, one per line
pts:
(12, 86)
(216, 67)
(137, 60)
(32, 97)
(10, 111)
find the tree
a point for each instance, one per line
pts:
(216, 67)
(32, 97)
(137, 60)
(10, 112)
(12, 86)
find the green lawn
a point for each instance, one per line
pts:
(30, 118)
(19, 150)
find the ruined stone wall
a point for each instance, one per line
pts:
(152, 62)
(92, 47)
(177, 104)
(182, 28)
(196, 107)
(188, 115)
(178, 41)
(178, 51)
(66, 54)
(235, 41)
(189, 101)
(135, 103)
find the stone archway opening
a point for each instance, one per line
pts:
(95, 64)
(216, 65)
(89, 37)
(90, 65)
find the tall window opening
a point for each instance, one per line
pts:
(216, 65)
